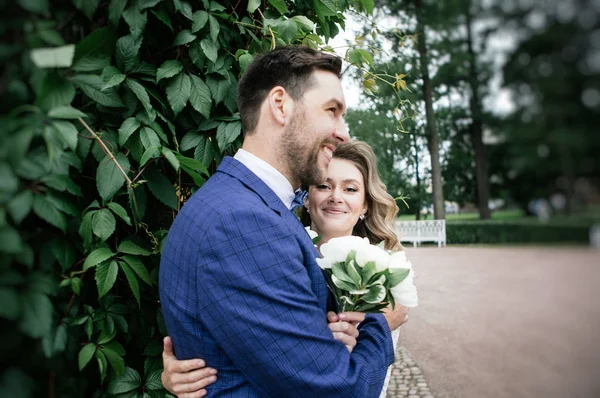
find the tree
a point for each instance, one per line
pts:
(113, 112)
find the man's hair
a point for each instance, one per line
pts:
(290, 67)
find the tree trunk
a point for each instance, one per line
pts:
(481, 172)
(430, 125)
(416, 148)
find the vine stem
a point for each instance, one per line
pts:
(106, 151)
(273, 45)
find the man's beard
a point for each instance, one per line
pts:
(302, 161)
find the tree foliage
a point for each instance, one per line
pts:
(113, 112)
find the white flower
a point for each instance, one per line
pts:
(311, 233)
(373, 253)
(336, 250)
(398, 260)
(405, 293)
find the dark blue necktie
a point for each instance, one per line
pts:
(299, 199)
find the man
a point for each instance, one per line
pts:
(239, 283)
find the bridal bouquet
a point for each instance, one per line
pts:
(365, 277)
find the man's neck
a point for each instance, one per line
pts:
(265, 152)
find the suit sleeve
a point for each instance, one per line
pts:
(256, 301)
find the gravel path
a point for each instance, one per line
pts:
(502, 322)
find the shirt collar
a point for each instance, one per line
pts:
(269, 175)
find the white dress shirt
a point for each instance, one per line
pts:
(269, 175)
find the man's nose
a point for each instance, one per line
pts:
(341, 131)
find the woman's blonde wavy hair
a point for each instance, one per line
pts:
(378, 224)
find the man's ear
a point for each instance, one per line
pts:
(279, 104)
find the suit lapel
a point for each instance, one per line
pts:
(237, 170)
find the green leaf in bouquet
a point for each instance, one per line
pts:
(376, 294)
(351, 256)
(339, 270)
(342, 284)
(380, 280)
(359, 292)
(371, 308)
(368, 271)
(351, 270)
(397, 275)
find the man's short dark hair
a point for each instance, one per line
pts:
(289, 67)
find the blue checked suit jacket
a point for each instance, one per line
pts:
(240, 288)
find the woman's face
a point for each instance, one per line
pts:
(336, 205)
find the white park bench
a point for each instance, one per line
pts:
(422, 231)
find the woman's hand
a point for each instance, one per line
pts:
(345, 327)
(185, 379)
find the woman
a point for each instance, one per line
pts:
(352, 201)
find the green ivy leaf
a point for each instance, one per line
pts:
(150, 153)
(36, 319)
(280, 6)
(184, 37)
(103, 224)
(204, 151)
(111, 76)
(303, 23)
(11, 240)
(20, 206)
(128, 127)
(102, 363)
(218, 88)
(11, 303)
(109, 178)
(178, 92)
(153, 382)
(85, 355)
(163, 16)
(115, 11)
(67, 133)
(47, 212)
(128, 381)
(87, 7)
(106, 276)
(161, 187)
(120, 211)
(360, 57)
(149, 138)
(184, 8)
(56, 57)
(64, 252)
(145, 4)
(129, 247)
(141, 93)
(65, 112)
(85, 229)
(76, 285)
(54, 91)
(209, 49)
(227, 133)
(35, 6)
(97, 256)
(215, 28)
(191, 140)
(55, 342)
(136, 19)
(199, 20)
(132, 280)
(253, 5)
(138, 267)
(287, 30)
(127, 50)
(168, 69)
(92, 85)
(61, 183)
(94, 52)
(200, 98)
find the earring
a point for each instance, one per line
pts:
(362, 217)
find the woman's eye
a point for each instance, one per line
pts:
(322, 186)
(351, 189)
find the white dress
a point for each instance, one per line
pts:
(395, 336)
